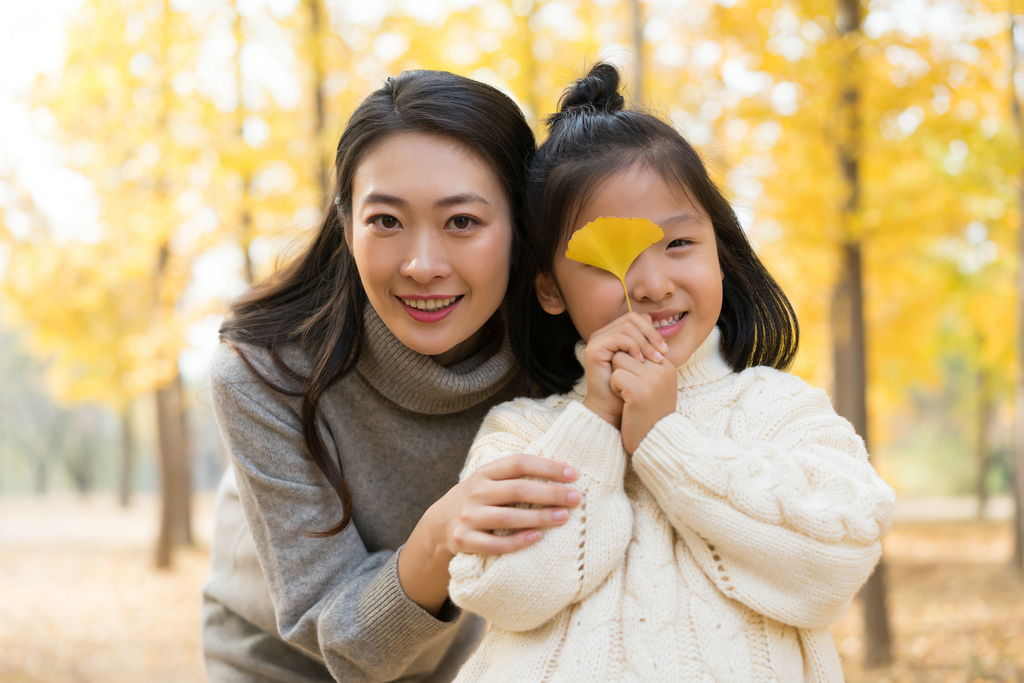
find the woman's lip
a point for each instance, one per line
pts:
(670, 330)
(421, 297)
(429, 316)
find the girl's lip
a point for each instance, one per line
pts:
(670, 330)
(428, 316)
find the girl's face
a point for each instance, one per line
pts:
(431, 235)
(678, 281)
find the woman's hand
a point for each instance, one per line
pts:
(464, 519)
(648, 393)
(632, 335)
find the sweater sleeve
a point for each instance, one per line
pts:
(787, 515)
(520, 591)
(332, 598)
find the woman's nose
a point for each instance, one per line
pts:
(425, 259)
(648, 280)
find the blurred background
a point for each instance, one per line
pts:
(158, 156)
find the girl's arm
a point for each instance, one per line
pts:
(522, 590)
(787, 515)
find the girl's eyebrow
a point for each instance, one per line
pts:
(680, 218)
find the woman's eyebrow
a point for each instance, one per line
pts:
(464, 198)
(381, 198)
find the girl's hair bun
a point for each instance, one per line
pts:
(597, 91)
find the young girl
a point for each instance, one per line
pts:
(348, 389)
(728, 515)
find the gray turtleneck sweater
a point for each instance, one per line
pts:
(282, 606)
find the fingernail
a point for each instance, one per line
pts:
(658, 357)
(532, 536)
(574, 498)
(569, 473)
(560, 515)
(664, 346)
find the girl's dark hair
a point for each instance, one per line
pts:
(317, 301)
(591, 138)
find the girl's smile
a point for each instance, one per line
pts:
(668, 324)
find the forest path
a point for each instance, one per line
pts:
(80, 600)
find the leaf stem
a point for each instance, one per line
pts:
(626, 293)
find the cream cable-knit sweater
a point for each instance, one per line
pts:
(742, 527)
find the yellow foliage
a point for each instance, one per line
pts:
(613, 244)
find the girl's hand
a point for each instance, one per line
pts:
(648, 392)
(632, 335)
(464, 519)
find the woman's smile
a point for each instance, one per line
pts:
(429, 309)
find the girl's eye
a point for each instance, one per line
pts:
(678, 243)
(385, 221)
(462, 222)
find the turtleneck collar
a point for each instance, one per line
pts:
(705, 366)
(417, 383)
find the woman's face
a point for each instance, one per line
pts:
(432, 236)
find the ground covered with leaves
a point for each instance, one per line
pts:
(80, 601)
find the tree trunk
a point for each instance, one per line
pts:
(316, 60)
(986, 413)
(175, 484)
(849, 349)
(638, 50)
(127, 454)
(1018, 421)
(1018, 415)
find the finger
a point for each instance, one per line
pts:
(629, 340)
(513, 491)
(626, 339)
(622, 361)
(483, 543)
(525, 465)
(625, 384)
(654, 338)
(503, 517)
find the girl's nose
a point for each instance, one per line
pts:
(648, 279)
(426, 259)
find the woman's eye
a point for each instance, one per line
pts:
(462, 222)
(678, 243)
(386, 222)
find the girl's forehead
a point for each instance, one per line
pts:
(638, 191)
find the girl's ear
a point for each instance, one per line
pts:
(547, 294)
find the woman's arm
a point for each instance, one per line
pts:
(787, 515)
(332, 597)
(521, 590)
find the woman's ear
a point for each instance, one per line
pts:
(547, 294)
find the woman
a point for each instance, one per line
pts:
(348, 389)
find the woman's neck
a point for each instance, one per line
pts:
(474, 343)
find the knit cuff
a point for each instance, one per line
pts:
(659, 459)
(390, 620)
(587, 442)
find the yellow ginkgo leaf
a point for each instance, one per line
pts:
(613, 244)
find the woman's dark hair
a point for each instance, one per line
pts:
(591, 138)
(317, 301)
